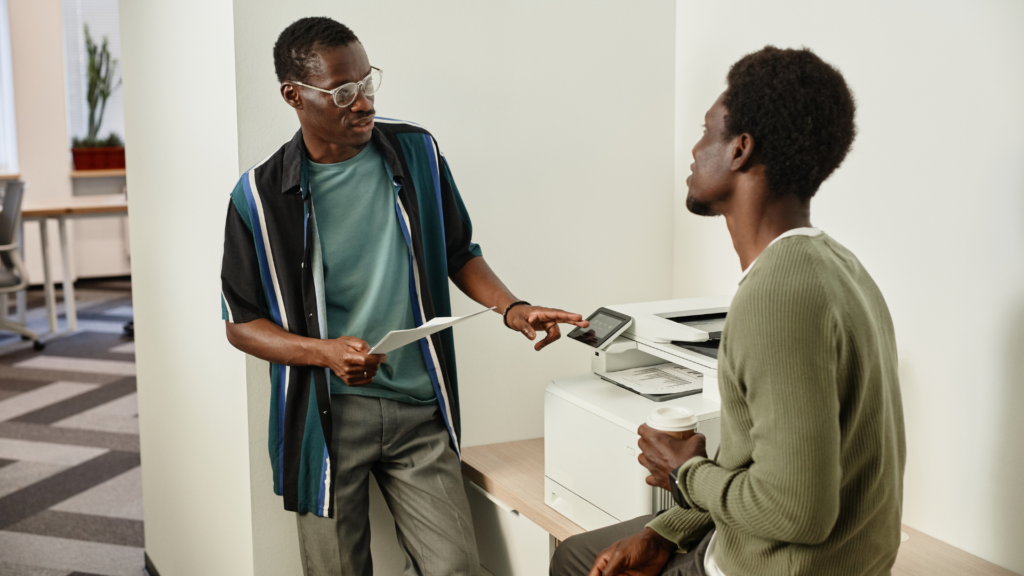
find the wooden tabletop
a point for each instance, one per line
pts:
(76, 205)
(106, 173)
(514, 473)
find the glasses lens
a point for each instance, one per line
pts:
(346, 95)
(372, 82)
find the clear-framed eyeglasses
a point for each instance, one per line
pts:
(345, 94)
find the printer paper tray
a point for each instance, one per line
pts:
(653, 397)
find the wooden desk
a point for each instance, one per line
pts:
(514, 472)
(62, 210)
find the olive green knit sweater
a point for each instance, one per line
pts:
(809, 475)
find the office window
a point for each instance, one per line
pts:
(102, 18)
(8, 130)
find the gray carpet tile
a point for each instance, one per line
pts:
(25, 473)
(93, 438)
(94, 345)
(12, 569)
(112, 317)
(46, 452)
(70, 555)
(120, 306)
(80, 403)
(70, 365)
(47, 376)
(18, 386)
(119, 497)
(120, 416)
(5, 394)
(80, 516)
(89, 528)
(34, 499)
(52, 393)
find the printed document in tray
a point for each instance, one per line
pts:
(659, 379)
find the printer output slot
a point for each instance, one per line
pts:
(708, 349)
(710, 323)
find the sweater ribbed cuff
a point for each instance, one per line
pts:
(682, 526)
(686, 475)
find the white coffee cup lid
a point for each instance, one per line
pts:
(672, 419)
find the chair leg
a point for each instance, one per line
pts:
(8, 326)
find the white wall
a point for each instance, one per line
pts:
(101, 245)
(37, 61)
(179, 93)
(98, 246)
(932, 201)
(556, 120)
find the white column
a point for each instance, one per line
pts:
(182, 156)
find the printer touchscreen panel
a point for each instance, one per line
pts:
(604, 326)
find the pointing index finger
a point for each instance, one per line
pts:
(562, 316)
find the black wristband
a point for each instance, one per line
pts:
(504, 317)
(677, 494)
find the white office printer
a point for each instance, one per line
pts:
(591, 473)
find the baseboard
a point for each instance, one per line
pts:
(150, 569)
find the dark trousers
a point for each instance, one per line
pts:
(576, 556)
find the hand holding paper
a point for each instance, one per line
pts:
(398, 338)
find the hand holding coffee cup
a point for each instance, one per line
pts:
(667, 440)
(675, 421)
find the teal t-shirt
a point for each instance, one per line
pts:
(366, 271)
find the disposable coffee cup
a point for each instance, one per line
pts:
(675, 421)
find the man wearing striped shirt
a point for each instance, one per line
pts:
(350, 230)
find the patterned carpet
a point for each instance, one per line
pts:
(70, 482)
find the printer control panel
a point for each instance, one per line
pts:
(605, 326)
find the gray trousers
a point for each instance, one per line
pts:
(407, 449)
(575, 556)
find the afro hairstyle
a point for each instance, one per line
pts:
(799, 111)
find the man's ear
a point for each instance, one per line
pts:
(291, 95)
(742, 152)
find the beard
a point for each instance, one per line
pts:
(699, 208)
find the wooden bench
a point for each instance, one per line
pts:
(514, 473)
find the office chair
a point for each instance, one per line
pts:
(13, 276)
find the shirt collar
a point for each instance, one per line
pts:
(805, 231)
(295, 156)
(291, 169)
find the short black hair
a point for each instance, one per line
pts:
(295, 50)
(800, 112)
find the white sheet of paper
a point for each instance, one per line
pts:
(398, 338)
(665, 378)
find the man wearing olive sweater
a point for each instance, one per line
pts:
(809, 476)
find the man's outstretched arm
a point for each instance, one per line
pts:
(346, 356)
(479, 282)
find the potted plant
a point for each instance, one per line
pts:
(92, 152)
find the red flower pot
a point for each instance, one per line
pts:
(98, 158)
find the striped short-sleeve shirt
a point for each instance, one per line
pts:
(273, 269)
